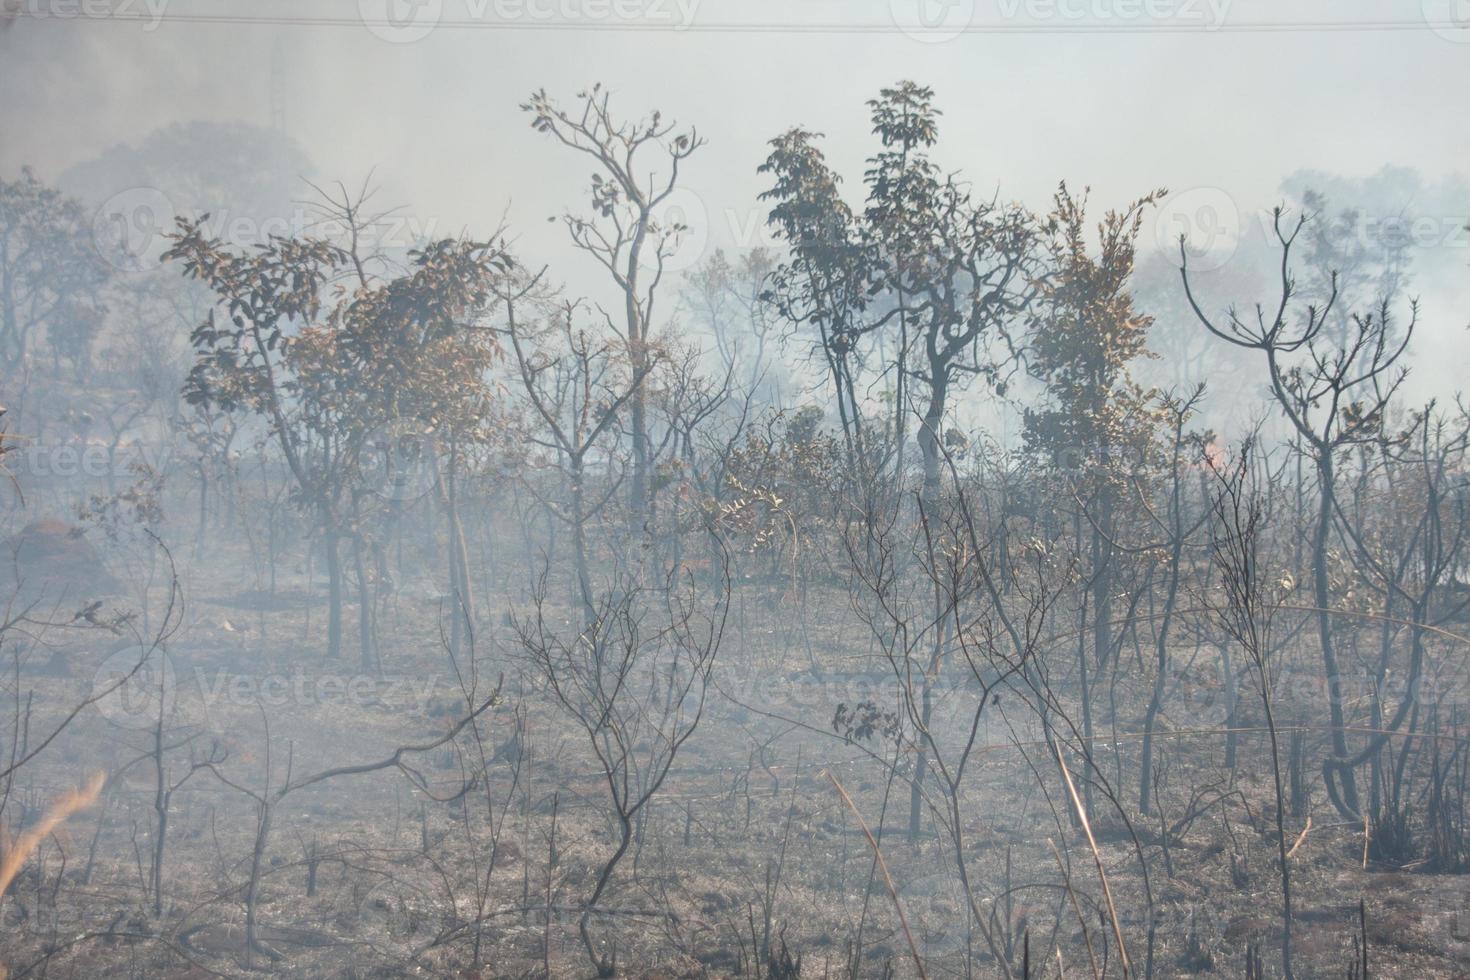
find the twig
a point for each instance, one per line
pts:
(1076, 906)
(883, 866)
(1097, 859)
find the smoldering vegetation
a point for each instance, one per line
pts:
(953, 587)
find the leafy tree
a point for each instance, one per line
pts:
(928, 276)
(51, 274)
(784, 477)
(960, 273)
(824, 283)
(1365, 262)
(930, 280)
(1085, 334)
(327, 368)
(247, 178)
(417, 360)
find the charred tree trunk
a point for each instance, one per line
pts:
(332, 542)
(1344, 796)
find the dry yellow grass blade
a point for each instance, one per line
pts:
(1097, 859)
(26, 844)
(1305, 830)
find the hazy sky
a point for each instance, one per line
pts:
(1228, 96)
